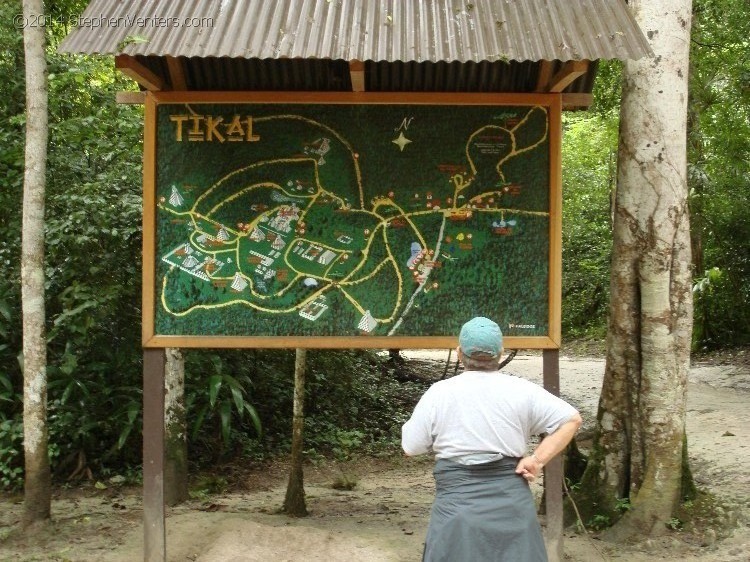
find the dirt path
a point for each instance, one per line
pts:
(384, 518)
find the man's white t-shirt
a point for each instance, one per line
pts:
(482, 414)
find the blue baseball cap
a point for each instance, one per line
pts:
(481, 335)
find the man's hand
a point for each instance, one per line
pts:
(529, 468)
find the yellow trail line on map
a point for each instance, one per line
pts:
(509, 210)
(254, 186)
(321, 244)
(289, 285)
(244, 169)
(198, 232)
(365, 253)
(357, 171)
(391, 260)
(193, 214)
(279, 293)
(428, 212)
(459, 184)
(238, 260)
(399, 293)
(309, 205)
(175, 212)
(296, 307)
(406, 216)
(369, 276)
(335, 133)
(352, 300)
(514, 150)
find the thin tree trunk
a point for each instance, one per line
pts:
(294, 502)
(175, 429)
(37, 493)
(638, 448)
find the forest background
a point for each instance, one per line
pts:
(354, 401)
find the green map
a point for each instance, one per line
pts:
(351, 219)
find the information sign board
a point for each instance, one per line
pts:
(350, 220)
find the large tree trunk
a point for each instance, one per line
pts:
(638, 447)
(175, 430)
(294, 502)
(37, 493)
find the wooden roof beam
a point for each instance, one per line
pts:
(357, 73)
(577, 101)
(545, 73)
(176, 73)
(570, 71)
(130, 98)
(130, 67)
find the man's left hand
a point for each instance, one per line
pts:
(529, 468)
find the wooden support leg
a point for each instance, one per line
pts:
(553, 471)
(154, 532)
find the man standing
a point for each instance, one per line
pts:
(478, 424)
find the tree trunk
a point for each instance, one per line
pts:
(37, 493)
(175, 430)
(294, 502)
(638, 446)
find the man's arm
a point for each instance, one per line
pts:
(530, 467)
(416, 434)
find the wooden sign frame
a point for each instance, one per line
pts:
(151, 339)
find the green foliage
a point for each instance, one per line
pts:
(219, 400)
(354, 403)
(622, 505)
(608, 88)
(92, 250)
(11, 453)
(674, 524)
(11, 185)
(11, 427)
(589, 160)
(703, 291)
(719, 169)
(346, 443)
(599, 522)
(93, 258)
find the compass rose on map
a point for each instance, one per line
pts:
(401, 141)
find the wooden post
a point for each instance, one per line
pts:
(553, 470)
(357, 73)
(154, 532)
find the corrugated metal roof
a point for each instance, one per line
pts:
(368, 30)
(465, 77)
(233, 74)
